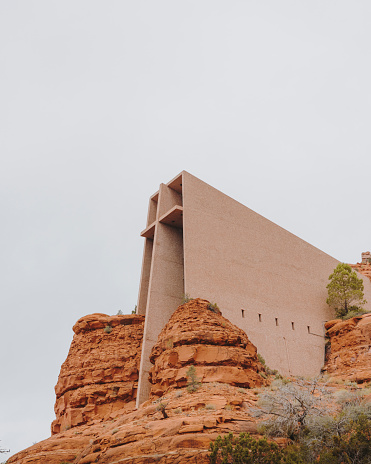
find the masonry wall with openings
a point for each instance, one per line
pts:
(272, 284)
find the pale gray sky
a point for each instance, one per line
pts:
(101, 101)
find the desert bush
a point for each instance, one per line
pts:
(214, 308)
(209, 406)
(288, 408)
(108, 329)
(340, 440)
(193, 383)
(355, 313)
(161, 407)
(247, 450)
(186, 298)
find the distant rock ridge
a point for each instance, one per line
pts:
(349, 353)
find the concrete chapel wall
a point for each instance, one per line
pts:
(266, 280)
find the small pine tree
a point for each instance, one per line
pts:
(345, 290)
(193, 382)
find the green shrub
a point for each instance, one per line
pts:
(186, 298)
(193, 382)
(214, 308)
(349, 443)
(247, 450)
(108, 329)
(355, 313)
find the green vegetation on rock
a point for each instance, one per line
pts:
(345, 290)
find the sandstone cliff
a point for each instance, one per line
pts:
(96, 421)
(349, 353)
(100, 374)
(363, 268)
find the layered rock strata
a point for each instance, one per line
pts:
(100, 374)
(145, 437)
(363, 268)
(96, 419)
(349, 354)
(200, 336)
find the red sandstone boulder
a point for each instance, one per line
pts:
(349, 357)
(100, 374)
(196, 335)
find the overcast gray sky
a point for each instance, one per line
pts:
(268, 101)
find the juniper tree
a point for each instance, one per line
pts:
(345, 290)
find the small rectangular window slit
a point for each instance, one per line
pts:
(242, 312)
(292, 326)
(260, 317)
(308, 327)
(276, 319)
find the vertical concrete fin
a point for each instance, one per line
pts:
(166, 277)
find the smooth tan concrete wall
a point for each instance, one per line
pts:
(145, 277)
(152, 212)
(242, 261)
(169, 199)
(266, 280)
(165, 289)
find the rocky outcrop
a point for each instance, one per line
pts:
(96, 419)
(363, 268)
(143, 436)
(349, 354)
(100, 375)
(199, 335)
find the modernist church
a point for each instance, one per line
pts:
(267, 281)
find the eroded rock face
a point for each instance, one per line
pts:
(349, 357)
(363, 268)
(98, 381)
(100, 374)
(143, 436)
(196, 335)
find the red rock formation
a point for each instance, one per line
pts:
(363, 268)
(100, 374)
(97, 384)
(349, 357)
(196, 335)
(144, 437)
